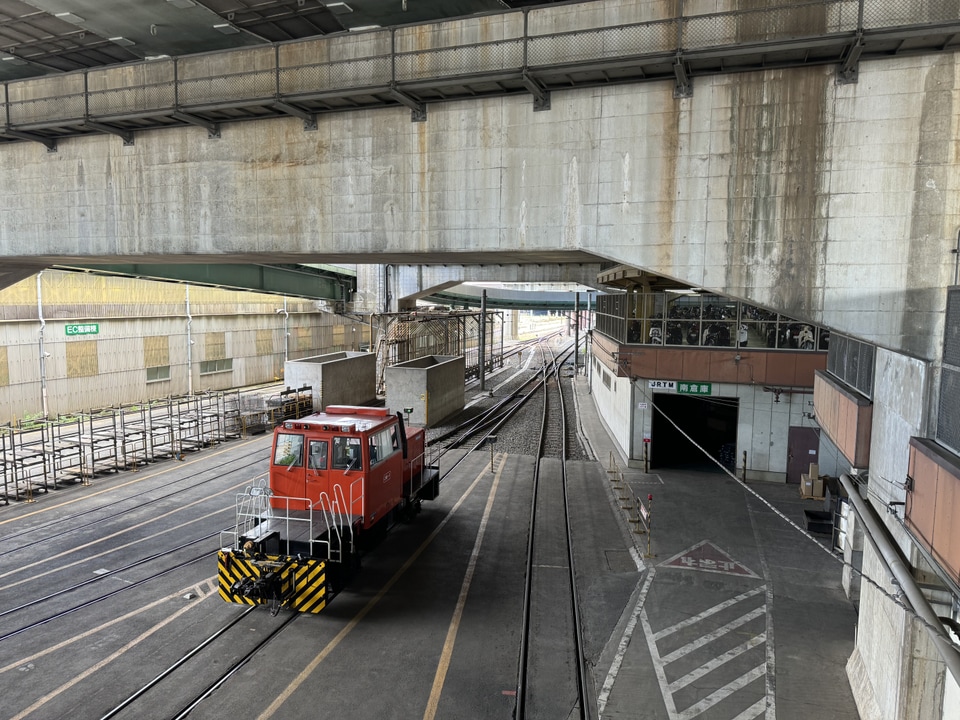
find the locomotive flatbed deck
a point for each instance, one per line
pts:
(295, 527)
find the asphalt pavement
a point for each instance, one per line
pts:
(733, 613)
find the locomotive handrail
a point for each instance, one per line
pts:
(323, 502)
(251, 505)
(344, 513)
(354, 499)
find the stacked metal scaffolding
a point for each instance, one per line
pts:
(42, 455)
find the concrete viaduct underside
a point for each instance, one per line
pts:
(790, 156)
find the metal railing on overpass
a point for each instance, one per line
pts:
(417, 65)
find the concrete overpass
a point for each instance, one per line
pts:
(828, 200)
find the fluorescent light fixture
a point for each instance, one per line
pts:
(13, 60)
(70, 18)
(156, 57)
(182, 4)
(339, 8)
(121, 41)
(361, 28)
(226, 29)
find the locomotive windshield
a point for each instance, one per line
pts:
(346, 453)
(289, 450)
(382, 444)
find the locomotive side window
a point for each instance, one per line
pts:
(289, 450)
(346, 453)
(381, 445)
(318, 455)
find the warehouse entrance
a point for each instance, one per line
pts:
(711, 422)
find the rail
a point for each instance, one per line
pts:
(413, 65)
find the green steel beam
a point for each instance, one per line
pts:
(534, 303)
(314, 282)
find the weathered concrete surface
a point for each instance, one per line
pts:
(834, 203)
(411, 282)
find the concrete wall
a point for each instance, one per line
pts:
(906, 676)
(614, 398)
(829, 202)
(432, 386)
(344, 378)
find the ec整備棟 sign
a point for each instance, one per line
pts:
(83, 329)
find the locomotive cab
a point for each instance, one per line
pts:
(337, 479)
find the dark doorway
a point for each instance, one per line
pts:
(711, 422)
(803, 444)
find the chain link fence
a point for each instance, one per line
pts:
(353, 67)
(463, 60)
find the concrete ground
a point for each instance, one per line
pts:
(737, 614)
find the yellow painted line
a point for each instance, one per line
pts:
(202, 593)
(332, 645)
(50, 558)
(107, 660)
(114, 488)
(444, 665)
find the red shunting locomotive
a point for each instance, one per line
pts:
(338, 480)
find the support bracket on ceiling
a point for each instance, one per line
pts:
(126, 135)
(849, 70)
(541, 96)
(309, 118)
(418, 110)
(49, 143)
(683, 85)
(212, 128)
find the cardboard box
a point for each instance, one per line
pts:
(811, 486)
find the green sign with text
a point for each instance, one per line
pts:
(85, 329)
(686, 388)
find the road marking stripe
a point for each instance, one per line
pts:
(114, 488)
(444, 665)
(77, 548)
(717, 662)
(107, 660)
(707, 613)
(753, 712)
(611, 678)
(658, 667)
(202, 590)
(710, 637)
(726, 691)
(374, 601)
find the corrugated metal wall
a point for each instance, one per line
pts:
(139, 325)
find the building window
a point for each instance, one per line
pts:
(156, 374)
(208, 367)
(265, 342)
(304, 336)
(82, 359)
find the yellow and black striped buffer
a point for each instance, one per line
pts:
(301, 583)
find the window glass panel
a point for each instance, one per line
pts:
(318, 455)
(381, 445)
(289, 452)
(346, 453)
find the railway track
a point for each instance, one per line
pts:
(552, 669)
(189, 680)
